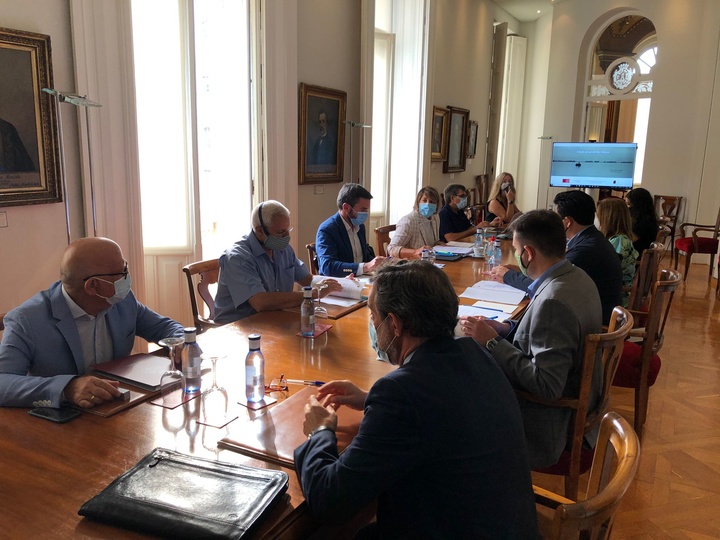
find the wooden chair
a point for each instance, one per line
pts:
(313, 259)
(669, 206)
(482, 181)
(474, 197)
(614, 466)
(442, 199)
(477, 213)
(608, 347)
(663, 234)
(208, 272)
(645, 277)
(690, 245)
(382, 235)
(640, 363)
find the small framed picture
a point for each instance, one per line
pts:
(439, 144)
(472, 139)
(457, 140)
(322, 134)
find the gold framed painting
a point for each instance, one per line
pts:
(29, 154)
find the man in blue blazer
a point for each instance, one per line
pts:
(441, 443)
(341, 244)
(89, 316)
(587, 248)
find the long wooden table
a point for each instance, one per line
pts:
(48, 470)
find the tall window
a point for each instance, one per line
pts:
(400, 78)
(193, 81)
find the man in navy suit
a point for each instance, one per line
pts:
(587, 248)
(441, 444)
(341, 244)
(88, 317)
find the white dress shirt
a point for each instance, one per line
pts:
(95, 338)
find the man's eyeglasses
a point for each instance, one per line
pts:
(277, 385)
(124, 274)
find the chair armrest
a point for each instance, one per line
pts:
(683, 225)
(548, 498)
(698, 229)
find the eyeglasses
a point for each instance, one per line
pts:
(124, 273)
(277, 385)
(283, 235)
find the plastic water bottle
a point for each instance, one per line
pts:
(191, 359)
(254, 371)
(497, 252)
(479, 247)
(307, 313)
(425, 255)
(490, 253)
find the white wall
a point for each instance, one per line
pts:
(328, 54)
(461, 54)
(676, 162)
(32, 245)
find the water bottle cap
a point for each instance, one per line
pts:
(254, 341)
(190, 332)
(307, 293)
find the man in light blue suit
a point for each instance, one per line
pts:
(88, 317)
(340, 242)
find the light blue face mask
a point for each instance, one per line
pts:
(427, 209)
(382, 355)
(463, 203)
(360, 219)
(122, 288)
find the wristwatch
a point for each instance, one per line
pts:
(490, 344)
(318, 430)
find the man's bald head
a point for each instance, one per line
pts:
(90, 256)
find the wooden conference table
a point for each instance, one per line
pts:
(47, 470)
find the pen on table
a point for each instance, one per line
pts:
(488, 308)
(301, 381)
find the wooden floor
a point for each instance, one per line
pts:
(677, 490)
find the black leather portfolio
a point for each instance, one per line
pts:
(179, 496)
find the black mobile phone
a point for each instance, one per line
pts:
(60, 416)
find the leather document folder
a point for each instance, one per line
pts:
(174, 495)
(141, 370)
(275, 435)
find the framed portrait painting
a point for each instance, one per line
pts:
(457, 140)
(439, 142)
(29, 155)
(472, 139)
(322, 134)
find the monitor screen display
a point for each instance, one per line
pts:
(593, 165)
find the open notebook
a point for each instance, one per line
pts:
(275, 435)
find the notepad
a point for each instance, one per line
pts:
(513, 297)
(141, 370)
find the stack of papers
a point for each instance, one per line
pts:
(492, 291)
(453, 250)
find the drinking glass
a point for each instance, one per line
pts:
(320, 312)
(173, 377)
(215, 398)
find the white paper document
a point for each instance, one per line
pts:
(471, 311)
(336, 301)
(351, 288)
(460, 244)
(513, 297)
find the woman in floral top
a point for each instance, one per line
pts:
(616, 224)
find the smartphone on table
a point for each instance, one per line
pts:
(60, 416)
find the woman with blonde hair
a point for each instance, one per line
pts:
(502, 199)
(616, 224)
(418, 230)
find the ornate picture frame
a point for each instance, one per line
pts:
(439, 134)
(457, 140)
(321, 134)
(472, 139)
(29, 153)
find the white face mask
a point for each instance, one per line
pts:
(122, 288)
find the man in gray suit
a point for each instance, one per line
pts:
(541, 353)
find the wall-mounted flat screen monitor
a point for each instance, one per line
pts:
(593, 165)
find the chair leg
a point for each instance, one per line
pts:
(712, 265)
(641, 405)
(676, 257)
(687, 265)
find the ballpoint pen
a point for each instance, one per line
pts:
(306, 383)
